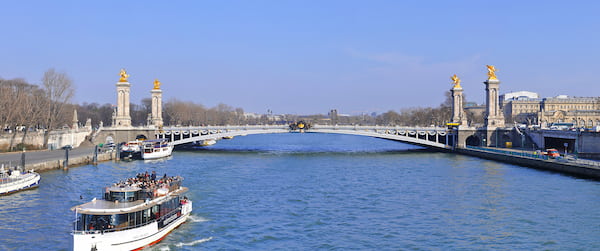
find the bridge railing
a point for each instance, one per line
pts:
(585, 162)
(377, 127)
(341, 127)
(226, 127)
(511, 153)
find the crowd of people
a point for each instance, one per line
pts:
(151, 182)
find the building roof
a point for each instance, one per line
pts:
(520, 95)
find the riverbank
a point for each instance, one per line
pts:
(565, 166)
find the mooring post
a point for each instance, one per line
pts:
(66, 165)
(118, 152)
(95, 161)
(23, 159)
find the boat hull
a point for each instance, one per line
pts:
(132, 239)
(131, 155)
(26, 181)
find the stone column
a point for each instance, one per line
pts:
(122, 118)
(494, 117)
(458, 113)
(75, 121)
(157, 107)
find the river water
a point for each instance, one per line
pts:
(330, 192)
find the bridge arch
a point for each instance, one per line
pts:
(473, 140)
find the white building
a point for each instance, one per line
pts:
(519, 95)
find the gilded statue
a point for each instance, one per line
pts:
(156, 84)
(456, 81)
(491, 72)
(124, 76)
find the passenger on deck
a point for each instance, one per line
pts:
(151, 185)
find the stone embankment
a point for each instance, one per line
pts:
(586, 169)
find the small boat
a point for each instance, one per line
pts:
(156, 148)
(132, 149)
(208, 142)
(202, 143)
(132, 215)
(12, 181)
(227, 137)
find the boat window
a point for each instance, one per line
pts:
(168, 206)
(119, 220)
(123, 196)
(147, 216)
(87, 222)
(155, 213)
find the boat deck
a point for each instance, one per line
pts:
(103, 207)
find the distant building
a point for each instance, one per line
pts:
(519, 94)
(333, 115)
(521, 107)
(250, 115)
(474, 108)
(527, 108)
(581, 111)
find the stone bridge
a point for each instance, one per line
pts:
(434, 137)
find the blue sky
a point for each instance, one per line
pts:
(305, 57)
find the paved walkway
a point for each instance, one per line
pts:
(572, 159)
(14, 158)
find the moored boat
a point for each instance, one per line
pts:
(12, 181)
(157, 148)
(134, 214)
(208, 142)
(132, 149)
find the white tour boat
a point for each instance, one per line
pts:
(157, 148)
(132, 149)
(133, 215)
(12, 181)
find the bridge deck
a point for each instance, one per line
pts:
(434, 137)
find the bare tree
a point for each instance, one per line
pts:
(95, 112)
(58, 88)
(32, 106)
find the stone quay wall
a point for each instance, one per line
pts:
(550, 165)
(56, 139)
(73, 162)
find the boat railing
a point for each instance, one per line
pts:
(149, 191)
(6, 178)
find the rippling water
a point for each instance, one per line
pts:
(330, 192)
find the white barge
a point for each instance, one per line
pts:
(133, 215)
(157, 148)
(12, 181)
